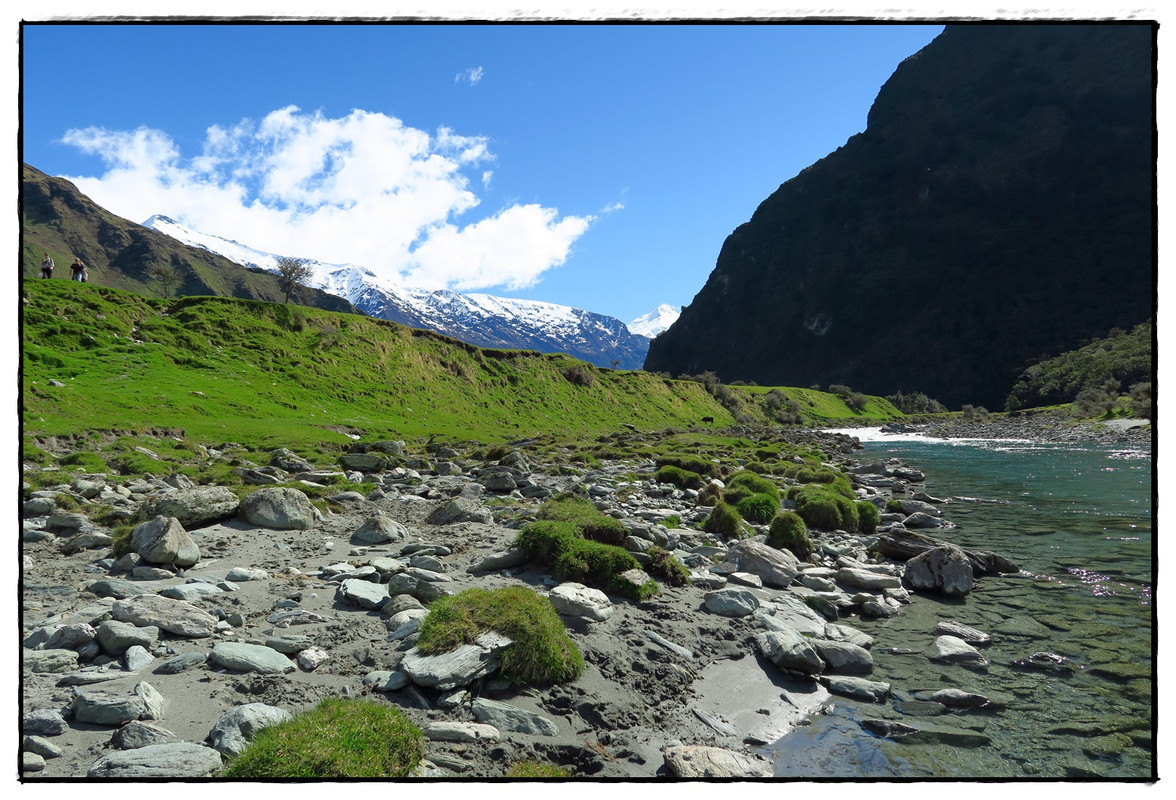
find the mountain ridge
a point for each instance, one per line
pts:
(480, 319)
(998, 209)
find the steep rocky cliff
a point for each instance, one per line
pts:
(998, 208)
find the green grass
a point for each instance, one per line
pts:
(588, 521)
(559, 544)
(725, 520)
(789, 532)
(541, 653)
(758, 508)
(339, 738)
(265, 375)
(536, 769)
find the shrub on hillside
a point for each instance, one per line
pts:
(682, 478)
(752, 481)
(789, 532)
(710, 495)
(580, 375)
(338, 738)
(758, 508)
(689, 463)
(541, 651)
(725, 521)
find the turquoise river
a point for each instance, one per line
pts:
(1077, 519)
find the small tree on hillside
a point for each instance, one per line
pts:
(292, 272)
(167, 275)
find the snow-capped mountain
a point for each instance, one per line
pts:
(656, 321)
(479, 319)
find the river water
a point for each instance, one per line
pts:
(1077, 519)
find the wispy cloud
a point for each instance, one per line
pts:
(470, 75)
(363, 189)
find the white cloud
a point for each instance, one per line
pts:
(362, 189)
(471, 75)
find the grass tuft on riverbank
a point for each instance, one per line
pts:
(338, 738)
(541, 653)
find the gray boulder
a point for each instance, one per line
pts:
(506, 559)
(774, 567)
(365, 594)
(379, 529)
(859, 578)
(99, 707)
(731, 602)
(364, 462)
(237, 727)
(117, 637)
(857, 688)
(578, 600)
(843, 658)
(192, 507)
(250, 658)
(50, 661)
(968, 634)
(279, 508)
(44, 722)
(170, 760)
(461, 509)
(512, 718)
(459, 667)
(174, 616)
(138, 733)
(699, 761)
(163, 540)
(790, 650)
(944, 569)
(954, 650)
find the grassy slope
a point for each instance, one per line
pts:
(266, 375)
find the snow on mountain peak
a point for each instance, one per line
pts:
(656, 321)
(480, 319)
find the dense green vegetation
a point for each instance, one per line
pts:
(541, 652)
(1093, 377)
(789, 532)
(100, 360)
(339, 738)
(562, 539)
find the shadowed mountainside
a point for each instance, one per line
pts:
(998, 209)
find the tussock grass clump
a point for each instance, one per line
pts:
(744, 484)
(120, 543)
(682, 478)
(724, 520)
(536, 769)
(588, 521)
(541, 654)
(823, 508)
(559, 546)
(868, 517)
(339, 738)
(664, 565)
(788, 532)
(758, 508)
(710, 495)
(689, 463)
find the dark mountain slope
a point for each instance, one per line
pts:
(62, 221)
(998, 208)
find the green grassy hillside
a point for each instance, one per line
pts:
(97, 359)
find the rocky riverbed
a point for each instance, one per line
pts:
(231, 615)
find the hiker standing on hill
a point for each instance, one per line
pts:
(47, 267)
(78, 271)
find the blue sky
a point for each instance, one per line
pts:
(599, 166)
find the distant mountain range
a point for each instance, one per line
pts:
(479, 319)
